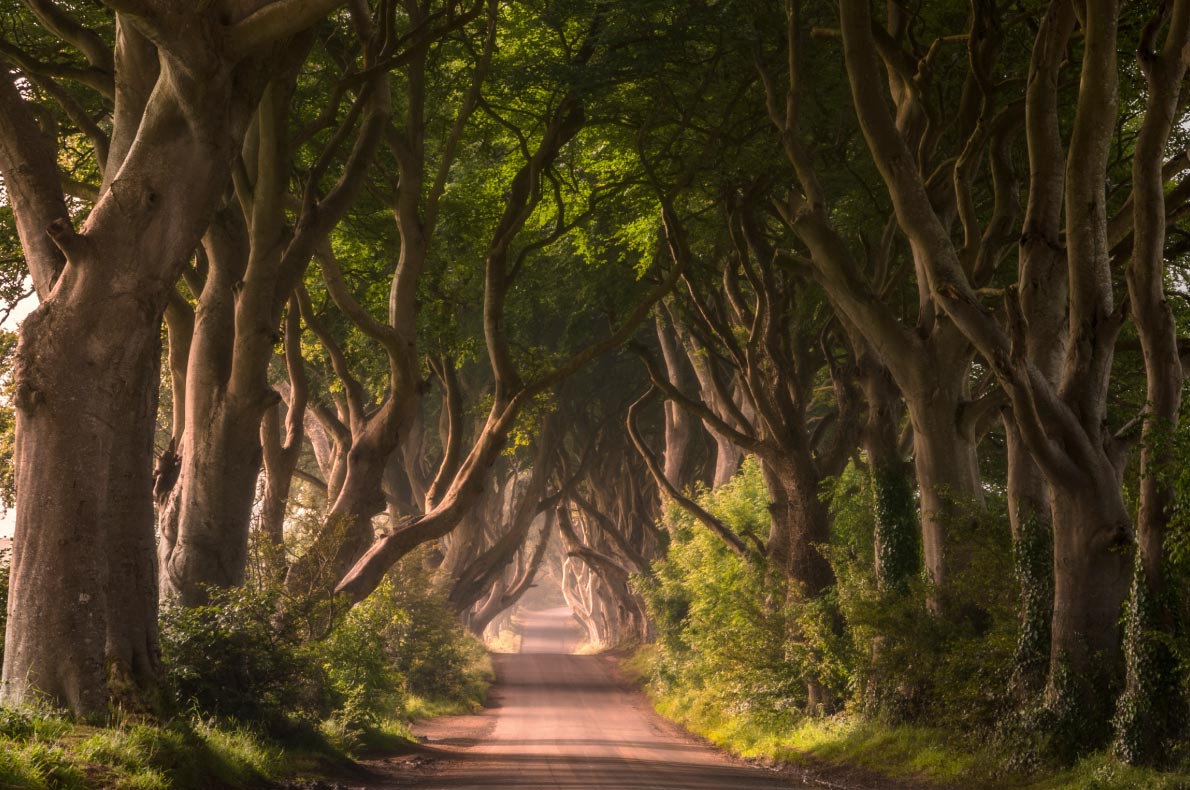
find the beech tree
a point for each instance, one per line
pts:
(186, 84)
(251, 262)
(1062, 420)
(521, 280)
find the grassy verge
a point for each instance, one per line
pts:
(43, 751)
(395, 733)
(927, 755)
(470, 699)
(507, 641)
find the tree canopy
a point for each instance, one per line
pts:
(565, 288)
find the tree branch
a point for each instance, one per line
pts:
(28, 163)
(276, 21)
(716, 526)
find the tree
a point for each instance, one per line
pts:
(251, 261)
(83, 630)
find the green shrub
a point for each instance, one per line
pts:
(403, 641)
(242, 677)
(228, 660)
(360, 666)
(723, 626)
(729, 638)
(240, 658)
(912, 665)
(430, 649)
(15, 724)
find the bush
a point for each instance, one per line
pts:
(912, 665)
(228, 660)
(731, 639)
(435, 655)
(723, 626)
(238, 660)
(400, 649)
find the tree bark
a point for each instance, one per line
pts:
(90, 350)
(282, 453)
(254, 264)
(800, 524)
(679, 425)
(82, 625)
(1151, 711)
(1092, 538)
(896, 533)
(1029, 511)
(204, 524)
(947, 481)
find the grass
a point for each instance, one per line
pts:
(507, 641)
(45, 751)
(929, 756)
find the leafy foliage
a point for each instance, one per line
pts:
(730, 638)
(726, 630)
(236, 660)
(226, 659)
(916, 665)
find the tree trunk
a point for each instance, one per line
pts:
(728, 456)
(86, 359)
(82, 625)
(800, 524)
(204, 524)
(896, 539)
(280, 461)
(1033, 556)
(947, 480)
(1092, 571)
(255, 263)
(679, 425)
(1152, 711)
(204, 529)
(132, 650)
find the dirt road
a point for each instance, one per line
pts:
(566, 722)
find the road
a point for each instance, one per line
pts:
(566, 722)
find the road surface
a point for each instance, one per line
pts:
(565, 722)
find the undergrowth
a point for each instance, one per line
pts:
(910, 682)
(930, 756)
(253, 697)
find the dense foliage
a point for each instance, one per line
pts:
(249, 701)
(730, 635)
(233, 660)
(479, 291)
(734, 652)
